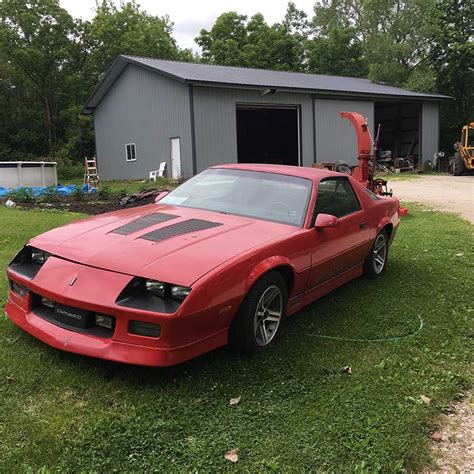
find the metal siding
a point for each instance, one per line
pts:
(429, 130)
(216, 126)
(148, 110)
(335, 137)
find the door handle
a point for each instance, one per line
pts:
(363, 225)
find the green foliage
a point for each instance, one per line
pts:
(298, 412)
(70, 171)
(452, 57)
(126, 29)
(77, 194)
(121, 192)
(104, 192)
(234, 40)
(38, 38)
(21, 195)
(50, 195)
(50, 62)
(336, 53)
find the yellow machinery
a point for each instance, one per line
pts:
(464, 157)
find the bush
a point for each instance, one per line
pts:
(50, 195)
(121, 192)
(104, 192)
(21, 195)
(77, 194)
(69, 171)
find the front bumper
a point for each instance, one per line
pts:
(109, 349)
(183, 336)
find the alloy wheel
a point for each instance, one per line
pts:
(268, 315)
(380, 253)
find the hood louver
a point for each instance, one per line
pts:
(143, 222)
(185, 227)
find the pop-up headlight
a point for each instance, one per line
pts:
(153, 295)
(157, 288)
(179, 292)
(29, 261)
(39, 256)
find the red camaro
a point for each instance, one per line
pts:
(221, 259)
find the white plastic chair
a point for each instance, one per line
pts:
(159, 173)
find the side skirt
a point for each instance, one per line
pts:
(300, 301)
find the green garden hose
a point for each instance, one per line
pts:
(382, 339)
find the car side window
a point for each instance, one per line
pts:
(336, 197)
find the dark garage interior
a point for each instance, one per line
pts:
(267, 135)
(400, 129)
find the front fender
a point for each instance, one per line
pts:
(265, 266)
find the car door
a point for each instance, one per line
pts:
(337, 249)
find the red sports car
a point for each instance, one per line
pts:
(221, 259)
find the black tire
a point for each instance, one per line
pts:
(343, 168)
(244, 336)
(458, 165)
(372, 266)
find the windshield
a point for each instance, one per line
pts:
(267, 196)
(470, 137)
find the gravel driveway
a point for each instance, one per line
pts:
(445, 192)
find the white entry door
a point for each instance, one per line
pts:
(175, 159)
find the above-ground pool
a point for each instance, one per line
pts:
(14, 174)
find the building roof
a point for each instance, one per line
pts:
(227, 76)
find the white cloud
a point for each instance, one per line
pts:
(190, 16)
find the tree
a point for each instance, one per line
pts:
(452, 59)
(127, 30)
(234, 40)
(225, 41)
(49, 64)
(397, 41)
(37, 37)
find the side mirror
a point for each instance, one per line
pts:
(325, 220)
(161, 195)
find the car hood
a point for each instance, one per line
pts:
(180, 259)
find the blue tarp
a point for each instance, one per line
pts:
(39, 191)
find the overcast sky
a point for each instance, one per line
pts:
(190, 16)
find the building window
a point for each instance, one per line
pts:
(130, 152)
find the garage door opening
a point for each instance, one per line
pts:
(268, 135)
(400, 130)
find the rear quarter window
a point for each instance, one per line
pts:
(372, 195)
(336, 197)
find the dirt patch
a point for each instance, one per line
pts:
(454, 448)
(446, 193)
(88, 204)
(90, 207)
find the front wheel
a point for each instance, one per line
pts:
(260, 315)
(376, 261)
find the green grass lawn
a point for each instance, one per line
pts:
(298, 411)
(127, 186)
(408, 176)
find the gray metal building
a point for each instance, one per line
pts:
(192, 116)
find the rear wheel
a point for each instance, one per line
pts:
(260, 315)
(343, 168)
(376, 261)
(458, 165)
